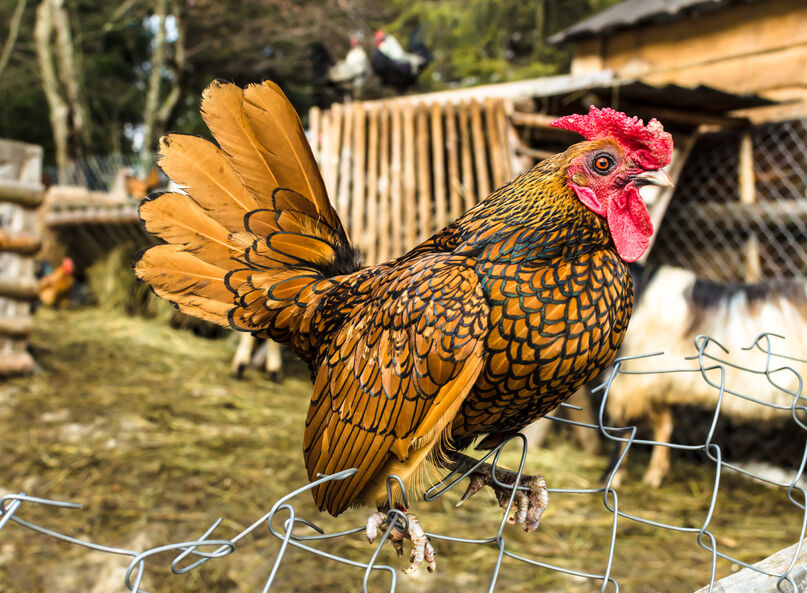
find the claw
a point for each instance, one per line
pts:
(475, 484)
(374, 521)
(422, 549)
(529, 506)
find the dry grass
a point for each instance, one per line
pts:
(142, 424)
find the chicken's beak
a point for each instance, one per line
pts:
(655, 177)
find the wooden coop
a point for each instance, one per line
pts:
(87, 224)
(21, 192)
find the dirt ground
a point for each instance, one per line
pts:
(143, 425)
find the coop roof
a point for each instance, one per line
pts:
(631, 13)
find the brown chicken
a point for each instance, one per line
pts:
(55, 288)
(476, 332)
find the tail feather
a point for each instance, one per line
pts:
(205, 170)
(255, 239)
(178, 220)
(195, 286)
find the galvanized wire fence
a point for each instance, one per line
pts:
(712, 363)
(740, 208)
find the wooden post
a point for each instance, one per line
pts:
(395, 200)
(438, 169)
(345, 158)
(468, 185)
(334, 151)
(384, 188)
(748, 195)
(408, 209)
(454, 184)
(314, 129)
(424, 194)
(494, 144)
(480, 152)
(358, 206)
(371, 232)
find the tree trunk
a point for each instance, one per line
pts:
(60, 82)
(153, 93)
(13, 31)
(50, 83)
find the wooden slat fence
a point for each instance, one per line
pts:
(400, 169)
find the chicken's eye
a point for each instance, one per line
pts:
(603, 163)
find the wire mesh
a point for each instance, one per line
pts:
(712, 359)
(736, 218)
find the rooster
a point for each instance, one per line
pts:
(473, 334)
(396, 67)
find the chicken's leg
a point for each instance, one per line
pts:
(530, 501)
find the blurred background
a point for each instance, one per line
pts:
(415, 111)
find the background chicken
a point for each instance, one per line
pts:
(396, 67)
(56, 287)
(475, 333)
(350, 74)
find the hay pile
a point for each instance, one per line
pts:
(142, 424)
(115, 288)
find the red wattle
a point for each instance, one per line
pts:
(629, 223)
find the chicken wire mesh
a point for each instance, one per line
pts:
(712, 364)
(739, 211)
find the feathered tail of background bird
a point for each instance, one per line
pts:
(255, 240)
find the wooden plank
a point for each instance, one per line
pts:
(748, 580)
(454, 184)
(372, 231)
(480, 152)
(503, 127)
(325, 154)
(24, 243)
(358, 204)
(96, 215)
(384, 187)
(16, 326)
(395, 193)
(494, 143)
(519, 163)
(345, 159)
(748, 196)
(25, 193)
(408, 210)
(16, 363)
(468, 184)
(424, 178)
(315, 133)
(19, 288)
(334, 150)
(440, 219)
(533, 120)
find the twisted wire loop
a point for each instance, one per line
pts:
(280, 521)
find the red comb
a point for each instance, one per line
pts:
(649, 145)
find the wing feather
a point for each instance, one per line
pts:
(383, 393)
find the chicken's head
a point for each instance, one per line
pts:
(621, 155)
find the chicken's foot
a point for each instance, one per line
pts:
(421, 546)
(531, 498)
